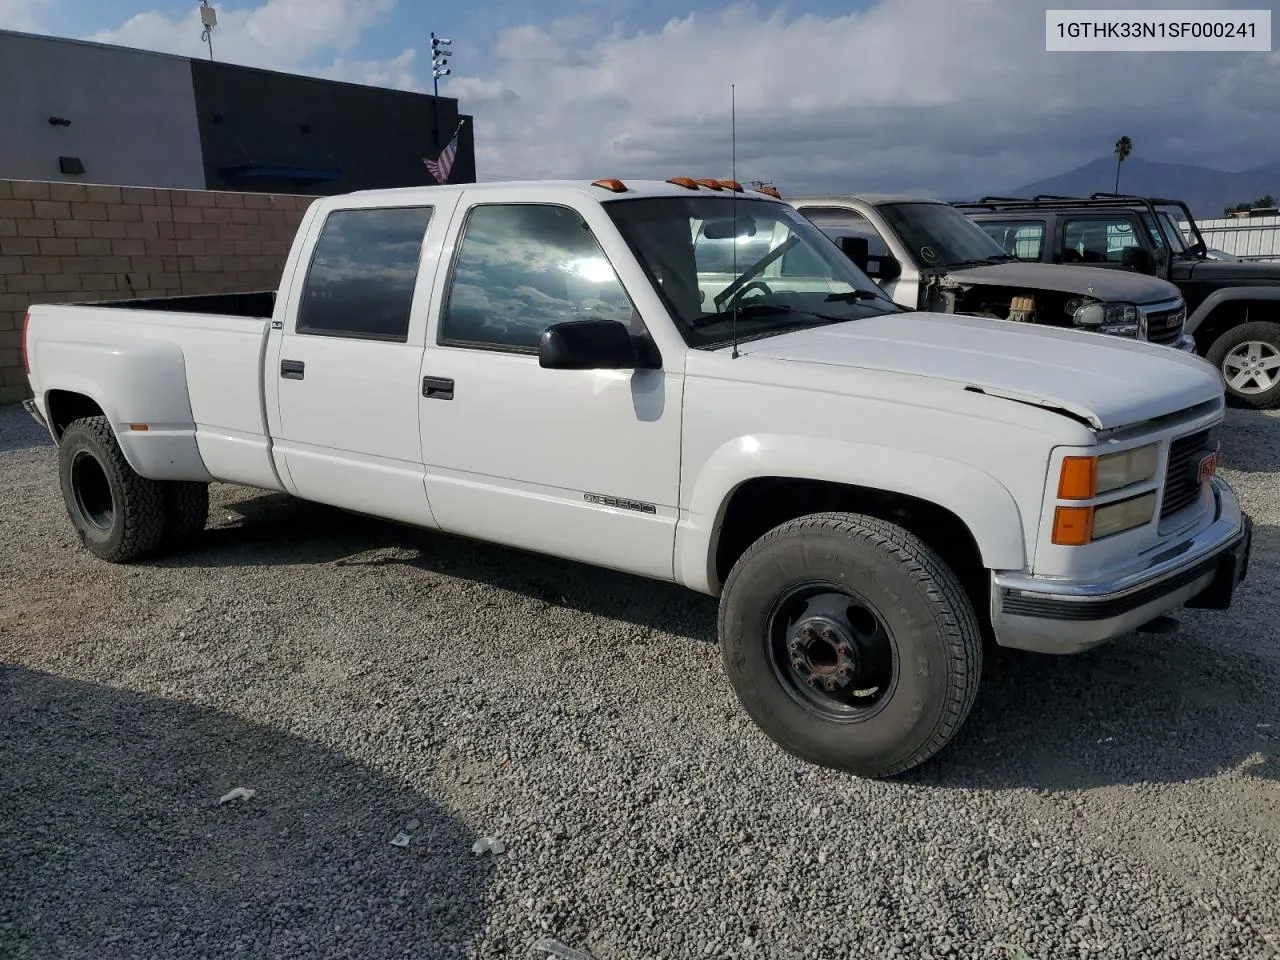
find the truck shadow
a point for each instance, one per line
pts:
(114, 843)
(1251, 441)
(1143, 708)
(273, 529)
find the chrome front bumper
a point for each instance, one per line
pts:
(1069, 616)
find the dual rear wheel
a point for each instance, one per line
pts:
(118, 515)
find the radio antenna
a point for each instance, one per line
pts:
(733, 209)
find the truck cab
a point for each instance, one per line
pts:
(929, 256)
(1233, 305)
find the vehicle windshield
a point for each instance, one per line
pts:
(940, 235)
(770, 265)
(1177, 239)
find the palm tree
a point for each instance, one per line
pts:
(1124, 147)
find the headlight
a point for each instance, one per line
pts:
(1084, 478)
(1124, 515)
(1119, 319)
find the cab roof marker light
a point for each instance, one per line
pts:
(733, 185)
(771, 192)
(688, 182)
(612, 184)
(709, 183)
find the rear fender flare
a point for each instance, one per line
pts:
(133, 382)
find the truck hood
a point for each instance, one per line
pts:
(1236, 273)
(1110, 285)
(1106, 381)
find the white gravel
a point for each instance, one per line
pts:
(360, 676)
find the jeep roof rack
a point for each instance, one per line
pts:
(1052, 201)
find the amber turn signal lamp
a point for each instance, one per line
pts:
(1072, 526)
(1079, 478)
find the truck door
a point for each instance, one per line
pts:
(343, 365)
(581, 464)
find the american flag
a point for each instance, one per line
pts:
(442, 164)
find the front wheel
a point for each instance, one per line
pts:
(1248, 357)
(850, 643)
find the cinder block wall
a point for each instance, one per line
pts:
(74, 242)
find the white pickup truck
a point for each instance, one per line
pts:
(591, 371)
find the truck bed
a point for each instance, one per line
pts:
(200, 357)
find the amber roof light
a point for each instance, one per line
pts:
(770, 191)
(708, 182)
(611, 183)
(689, 182)
(733, 185)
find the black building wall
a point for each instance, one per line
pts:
(268, 131)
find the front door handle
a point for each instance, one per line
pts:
(292, 369)
(437, 388)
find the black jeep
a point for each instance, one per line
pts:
(1233, 306)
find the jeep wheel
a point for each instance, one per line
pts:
(1248, 356)
(117, 514)
(850, 643)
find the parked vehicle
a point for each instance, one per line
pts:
(574, 369)
(1234, 305)
(929, 256)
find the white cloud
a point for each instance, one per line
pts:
(935, 95)
(940, 96)
(280, 34)
(21, 14)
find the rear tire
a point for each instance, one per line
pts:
(1250, 355)
(186, 512)
(827, 607)
(117, 514)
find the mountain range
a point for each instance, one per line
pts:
(1205, 190)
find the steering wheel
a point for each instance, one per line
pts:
(741, 292)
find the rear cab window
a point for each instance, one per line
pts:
(362, 275)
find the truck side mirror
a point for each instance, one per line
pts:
(595, 345)
(890, 268)
(857, 250)
(1139, 259)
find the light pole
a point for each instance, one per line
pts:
(439, 68)
(209, 20)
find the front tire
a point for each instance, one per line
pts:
(850, 643)
(117, 514)
(1248, 357)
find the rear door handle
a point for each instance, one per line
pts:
(437, 388)
(292, 369)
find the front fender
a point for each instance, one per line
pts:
(981, 501)
(1227, 295)
(134, 382)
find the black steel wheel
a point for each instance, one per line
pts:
(851, 643)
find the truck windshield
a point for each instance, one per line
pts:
(769, 265)
(940, 235)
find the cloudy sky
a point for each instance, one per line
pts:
(950, 97)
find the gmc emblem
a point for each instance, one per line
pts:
(1207, 467)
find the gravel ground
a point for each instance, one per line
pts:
(365, 679)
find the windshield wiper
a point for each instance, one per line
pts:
(757, 309)
(852, 296)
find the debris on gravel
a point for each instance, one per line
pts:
(361, 677)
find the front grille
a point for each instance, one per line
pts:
(1165, 326)
(1181, 476)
